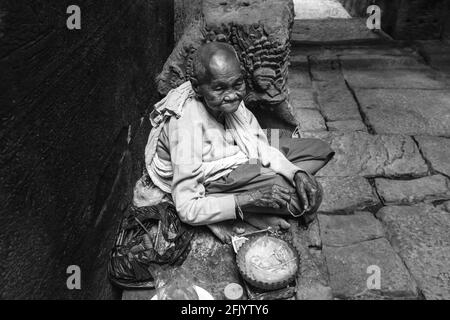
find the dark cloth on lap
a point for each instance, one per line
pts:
(251, 176)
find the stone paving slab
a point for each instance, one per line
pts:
(359, 153)
(303, 98)
(420, 235)
(326, 68)
(394, 78)
(361, 50)
(323, 135)
(404, 111)
(344, 230)
(436, 150)
(381, 61)
(312, 279)
(315, 239)
(348, 265)
(297, 58)
(346, 125)
(410, 191)
(310, 236)
(445, 206)
(346, 194)
(299, 77)
(310, 120)
(321, 262)
(335, 101)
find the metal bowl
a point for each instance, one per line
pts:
(268, 262)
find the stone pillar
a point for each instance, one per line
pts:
(186, 11)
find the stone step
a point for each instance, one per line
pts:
(334, 32)
(436, 53)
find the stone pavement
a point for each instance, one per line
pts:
(386, 113)
(386, 205)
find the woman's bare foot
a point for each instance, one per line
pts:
(262, 221)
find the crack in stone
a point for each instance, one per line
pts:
(427, 162)
(353, 243)
(363, 115)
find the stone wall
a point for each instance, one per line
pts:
(408, 19)
(186, 11)
(71, 135)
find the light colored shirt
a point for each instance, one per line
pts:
(200, 149)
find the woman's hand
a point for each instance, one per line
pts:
(274, 196)
(309, 191)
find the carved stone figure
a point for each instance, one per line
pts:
(260, 32)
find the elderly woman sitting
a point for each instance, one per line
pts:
(209, 155)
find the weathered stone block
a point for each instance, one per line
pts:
(411, 112)
(359, 153)
(338, 231)
(409, 191)
(336, 101)
(312, 279)
(420, 235)
(346, 194)
(332, 31)
(298, 59)
(437, 151)
(303, 98)
(185, 12)
(326, 67)
(299, 77)
(346, 125)
(315, 134)
(445, 206)
(394, 78)
(310, 120)
(380, 61)
(348, 270)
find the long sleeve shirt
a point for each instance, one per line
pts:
(199, 148)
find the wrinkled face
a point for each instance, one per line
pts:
(223, 87)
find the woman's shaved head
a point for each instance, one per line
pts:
(213, 56)
(217, 78)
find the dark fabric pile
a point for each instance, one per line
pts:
(148, 238)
